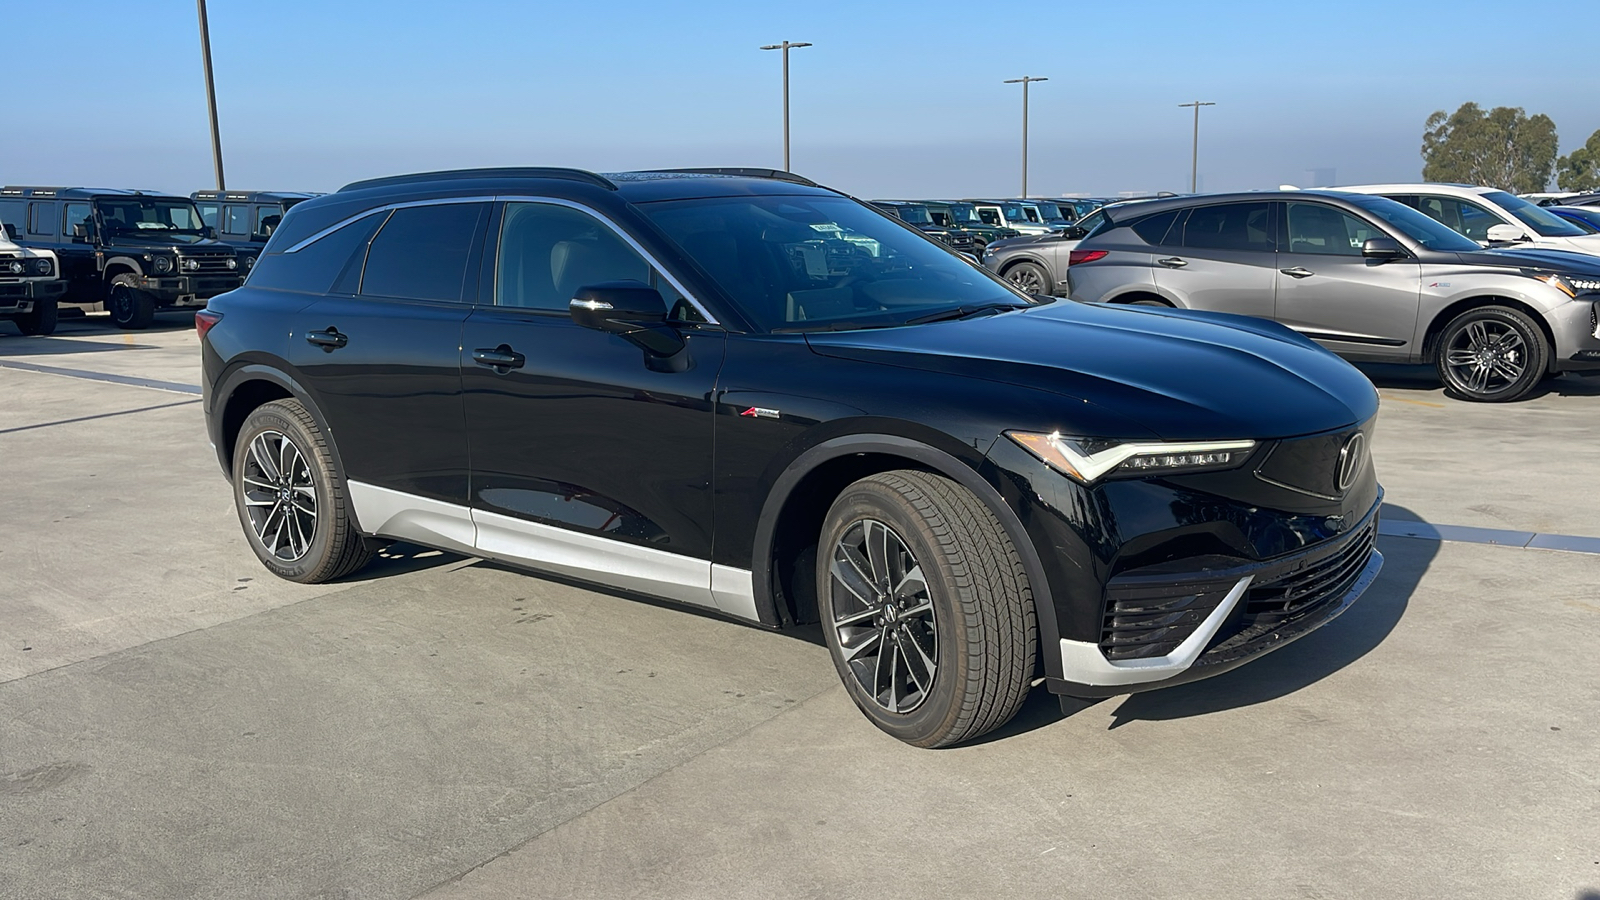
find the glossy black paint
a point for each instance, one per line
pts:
(726, 457)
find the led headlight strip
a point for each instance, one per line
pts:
(1088, 461)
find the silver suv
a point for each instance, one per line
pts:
(1366, 277)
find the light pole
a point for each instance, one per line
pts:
(1194, 158)
(211, 95)
(1025, 81)
(786, 46)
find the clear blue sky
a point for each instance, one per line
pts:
(896, 98)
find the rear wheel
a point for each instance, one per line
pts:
(129, 306)
(291, 501)
(1030, 278)
(926, 609)
(41, 320)
(1492, 354)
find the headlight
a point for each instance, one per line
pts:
(1566, 284)
(232, 264)
(1088, 460)
(1584, 284)
(42, 266)
(14, 267)
(191, 265)
(163, 265)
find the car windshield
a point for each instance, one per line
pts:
(964, 213)
(166, 218)
(1014, 213)
(1426, 231)
(916, 215)
(1050, 211)
(816, 263)
(1546, 223)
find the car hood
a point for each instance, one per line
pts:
(164, 242)
(1183, 375)
(1554, 260)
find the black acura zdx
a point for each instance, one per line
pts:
(740, 391)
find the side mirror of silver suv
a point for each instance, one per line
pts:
(1382, 248)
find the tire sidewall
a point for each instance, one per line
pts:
(272, 418)
(870, 500)
(1533, 338)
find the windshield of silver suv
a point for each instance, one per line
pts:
(177, 219)
(1541, 220)
(800, 263)
(1426, 231)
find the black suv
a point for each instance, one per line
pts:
(746, 393)
(958, 215)
(245, 219)
(134, 251)
(917, 216)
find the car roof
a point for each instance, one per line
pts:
(78, 193)
(254, 196)
(1420, 187)
(1153, 205)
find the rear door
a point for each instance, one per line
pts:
(1221, 257)
(380, 355)
(1332, 294)
(587, 460)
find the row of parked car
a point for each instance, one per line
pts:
(132, 252)
(971, 225)
(1495, 291)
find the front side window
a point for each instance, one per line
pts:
(1230, 226)
(267, 219)
(990, 215)
(1467, 218)
(421, 253)
(810, 263)
(1032, 213)
(235, 220)
(1423, 229)
(210, 213)
(1314, 228)
(964, 213)
(1541, 220)
(1014, 213)
(172, 220)
(916, 215)
(77, 215)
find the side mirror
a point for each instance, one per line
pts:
(11, 231)
(630, 309)
(1505, 234)
(1383, 248)
(1075, 232)
(80, 231)
(209, 233)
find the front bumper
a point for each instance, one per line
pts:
(188, 290)
(15, 293)
(1576, 327)
(1211, 624)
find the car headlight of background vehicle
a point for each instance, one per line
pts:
(42, 266)
(162, 265)
(1571, 285)
(1087, 460)
(191, 265)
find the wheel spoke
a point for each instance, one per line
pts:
(1457, 357)
(1508, 370)
(262, 455)
(886, 661)
(850, 578)
(258, 483)
(249, 502)
(870, 642)
(856, 618)
(1478, 379)
(890, 652)
(911, 584)
(1478, 334)
(878, 553)
(914, 662)
(923, 606)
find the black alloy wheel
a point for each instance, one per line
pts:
(41, 320)
(1029, 278)
(926, 609)
(130, 307)
(1492, 354)
(291, 502)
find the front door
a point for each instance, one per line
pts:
(1221, 258)
(586, 460)
(1332, 294)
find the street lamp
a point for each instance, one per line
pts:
(786, 46)
(1194, 158)
(1025, 81)
(211, 95)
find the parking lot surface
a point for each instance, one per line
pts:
(174, 722)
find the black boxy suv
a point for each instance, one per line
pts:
(743, 392)
(134, 251)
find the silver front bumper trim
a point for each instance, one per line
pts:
(1082, 661)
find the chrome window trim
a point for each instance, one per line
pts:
(627, 238)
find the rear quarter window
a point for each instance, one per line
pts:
(316, 267)
(1153, 229)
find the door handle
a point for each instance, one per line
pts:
(329, 340)
(1298, 272)
(1173, 262)
(502, 359)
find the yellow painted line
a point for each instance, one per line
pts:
(1408, 400)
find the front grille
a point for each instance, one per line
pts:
(1320, 579)
(210, 263)
(961, 240)
(1308, 465)
(1152, 618)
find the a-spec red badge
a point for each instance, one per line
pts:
(760, 412)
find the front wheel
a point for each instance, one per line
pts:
(290, 499)
(1492, 354)
(1029, 278)
(41, 320)
(130, 307)
(926, 609)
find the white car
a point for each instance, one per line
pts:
(30, 285)
(1489, 216)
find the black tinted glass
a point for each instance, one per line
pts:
(1152, 229)
(421, 253)
(1230, 226)
(12, 213)
(315, 267)
(77, 214)
(547, 252)
(42, 219)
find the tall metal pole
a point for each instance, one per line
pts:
(1024, 81)
(211, 95)
(786, 46)
(1194, 156)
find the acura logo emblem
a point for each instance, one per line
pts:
(1351, 459)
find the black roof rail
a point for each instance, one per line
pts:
(480, 174)
(774, 174)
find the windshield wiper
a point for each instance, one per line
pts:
(966, 312)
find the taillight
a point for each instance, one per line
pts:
(1079, 257)
(204, 320)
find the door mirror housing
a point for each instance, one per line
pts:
(1074, 233)
(1382, 248)
(10, 230)
(209, 233)
(632, 310)
(1505, 234)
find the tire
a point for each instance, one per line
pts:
(42, 319)
(282, 456)
(972, 615)
(1159, 304)
(1030, 278)
(130, 307)
(1492, 354)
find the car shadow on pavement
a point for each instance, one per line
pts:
(1424, 378)
(400, 558)
(1306, 661)
(16, 345)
